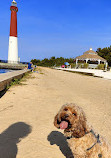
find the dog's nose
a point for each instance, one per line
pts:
(66, 116)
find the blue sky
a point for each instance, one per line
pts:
(57, 28)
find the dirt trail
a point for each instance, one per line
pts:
(27, 112)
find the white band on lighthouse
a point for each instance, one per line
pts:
(13, 50)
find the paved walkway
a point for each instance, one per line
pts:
(96, 73)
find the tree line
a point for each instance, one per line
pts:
(53, 61)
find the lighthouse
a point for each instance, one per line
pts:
(13, 40)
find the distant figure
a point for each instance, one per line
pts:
(63, 66)
(30, 66)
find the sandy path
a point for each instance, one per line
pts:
(36, 104)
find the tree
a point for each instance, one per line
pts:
(105, 53)
(35, 61)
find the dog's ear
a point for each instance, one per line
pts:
(56, 121)
(84, 123)
(81, 128)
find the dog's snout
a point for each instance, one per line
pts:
(66, 116)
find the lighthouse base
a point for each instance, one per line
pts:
(13, 50)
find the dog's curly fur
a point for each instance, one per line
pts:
(82, 142)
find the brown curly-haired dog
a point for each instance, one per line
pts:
(82, 139)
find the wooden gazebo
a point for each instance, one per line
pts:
(92, 56)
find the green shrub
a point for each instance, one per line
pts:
(101, 66)
(79, 65)
(73, 65)
(85, 65)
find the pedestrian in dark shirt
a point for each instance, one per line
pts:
(30, 66)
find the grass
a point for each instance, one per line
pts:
(27, 75)
(39, 70)
(13, 83)
(17, 82)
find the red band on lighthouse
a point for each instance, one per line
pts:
(13, 22)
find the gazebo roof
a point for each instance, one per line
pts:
(91, 55)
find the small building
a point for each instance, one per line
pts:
(91, 57)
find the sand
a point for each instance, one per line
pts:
(27, 112)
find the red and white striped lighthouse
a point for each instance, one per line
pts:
(13, 41)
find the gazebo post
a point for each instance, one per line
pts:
(87, 60)
(99, 61)
(76, 61)
(106, 64)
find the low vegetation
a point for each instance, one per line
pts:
(73, 65)
(21, 81)
(101, 66)
(85, 65)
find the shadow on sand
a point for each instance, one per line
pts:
(2, 93)
(58, 138)
(10, 137)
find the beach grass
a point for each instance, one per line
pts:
(26, 76)
(20, 82)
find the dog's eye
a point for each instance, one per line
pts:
(74, 114)
(65, 109)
